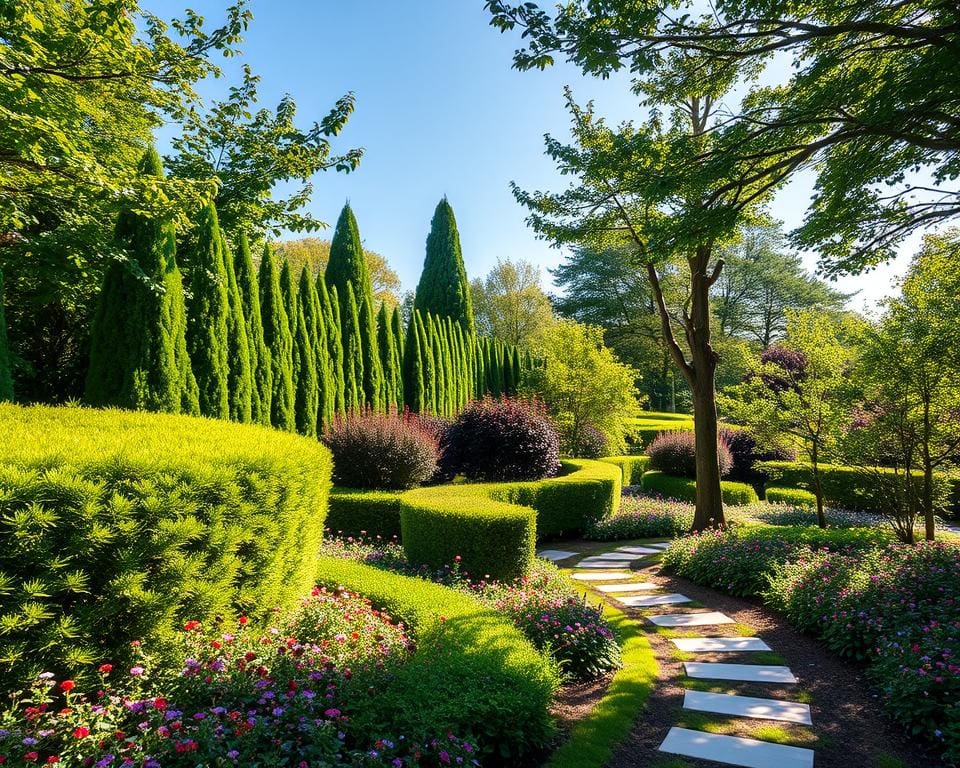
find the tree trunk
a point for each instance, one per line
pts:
(817, 486)
(928, 518)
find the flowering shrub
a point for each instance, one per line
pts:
(505, 439)
(588, 443)
(674, 453)
(643, 517)
(898, 608)
(383, 451)
(240, 699)
(744, 453)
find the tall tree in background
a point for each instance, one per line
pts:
(509, 303)
(347, 267)
(6, 378)
(305, 377)
(207, 312)
(314, 254)
(279, 343)
(389, 360)
(316, 324)
(261, 367)
(330, 309)
(443, 289)
(414, 385)
(138, 350)
(396, 323)
(352, 354)
(240, 373)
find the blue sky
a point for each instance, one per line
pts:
(439, 112)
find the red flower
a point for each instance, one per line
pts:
(243, 619)
(191, 625)
(159, 703)
(67, 685)
(53, 759)
(81, 733)
(31, 756)
(105, 669)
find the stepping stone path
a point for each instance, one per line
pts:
(556, 554)
(732, 750)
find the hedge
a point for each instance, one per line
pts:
(632, 467)
(796, 497)
(355, 511)
(117, 526)
(473, 672)
(685, 489)
(642, 432)
(493, 527)
(853, 488)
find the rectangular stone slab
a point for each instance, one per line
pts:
(556, 554)
(638, 550)
(645, 601)
(660, 544)
(690, 619)
(748, 706)
(637, 586)
(744, 673)
(605, 576)
(625, 556)
(735, 750)
(590, 563)
(719, 644)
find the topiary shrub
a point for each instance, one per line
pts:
(674, 453)
(381, 451)
(504, 439)
(796, 497)
(119, 526)
(745, 454)
(685, 489)
(632, 467)
(355, 512)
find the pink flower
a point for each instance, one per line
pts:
(136, 671)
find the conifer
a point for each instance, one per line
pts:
(240, 376)
(260, 365)
(413, 373)
(330, 310)
(305, 377)
(389, 360)
(352, 355)
(276, 336)
(138, 349)
(397, 322)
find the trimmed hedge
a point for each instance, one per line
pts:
(473, 672)
(117, 526)
(354, 511)
(493, 527)
(796, 497)
(685, 489)
(859, 490)
(632, 467)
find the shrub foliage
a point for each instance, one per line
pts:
(674, 453)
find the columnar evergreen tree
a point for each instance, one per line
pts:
(260, 364)
(509, 385)
(305, 376)
(429, 364)
(240, 375)
(207, 313)
(443, 288)
(276, 336)
(389, 359)
(352, 354)
(396, 322)
(317, 331)
(6, 370)
(347, 266)
(330, 310)
(517, 367)
(414, 386)
(288, 290)
(138, 348)
(479, 369)
(439, 369)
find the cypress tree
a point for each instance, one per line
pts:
(429, 368)
(508, 370)
(240, 381)
(276, 336)
(347, 266)
(439, 371)
(138, 348)
(6, 371)
(463, 366)
(305, 378)
(413, 380)
(443, 289)
(397, 323)
(450, 373)
(330, 309)
(479, 372)
(517, 369)
(317, 332)
(207, 313)
(260, 366)
(389, 360)
(352, 355)
(289, 291)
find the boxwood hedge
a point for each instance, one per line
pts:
(685, 489)
(116, 526)
(632, 467)
(473, 673)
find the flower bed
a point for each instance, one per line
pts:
(292, 695)
(643, 517)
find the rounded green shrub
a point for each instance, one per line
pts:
(356, 511)
(796, 497)
(685, 489)
(117, 526)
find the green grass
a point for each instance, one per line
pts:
(593, 739)
(707, 722)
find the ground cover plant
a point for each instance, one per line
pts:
(293, 694)
(544, 605)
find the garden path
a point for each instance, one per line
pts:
(713, 633)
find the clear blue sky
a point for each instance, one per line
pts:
(439, 112)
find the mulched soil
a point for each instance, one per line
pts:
(848, 720)
(575, 701)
